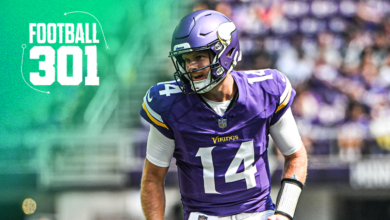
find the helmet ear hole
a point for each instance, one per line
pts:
(229, 54)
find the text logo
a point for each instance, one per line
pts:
(224, 139)
(64, 33)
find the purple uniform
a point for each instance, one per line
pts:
(222, 160)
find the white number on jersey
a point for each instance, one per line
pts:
(245, 152)
(259, 73)
(208, 169)
(170, 89)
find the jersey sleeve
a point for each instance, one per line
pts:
(285, 95)
(152, 110)
(159, 150)
(285, 134)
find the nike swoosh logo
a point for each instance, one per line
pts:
(149, 99)
(283, 78)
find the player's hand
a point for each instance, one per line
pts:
(277, 217)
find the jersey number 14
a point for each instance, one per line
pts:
(245, 152)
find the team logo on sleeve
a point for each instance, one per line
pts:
(202, 217)
(222, 122)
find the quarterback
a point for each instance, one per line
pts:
(216, 122)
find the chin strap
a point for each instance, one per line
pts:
(288, 197)
(211, 86)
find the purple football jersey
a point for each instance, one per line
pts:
(222, 160)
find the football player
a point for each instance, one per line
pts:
(216, 122)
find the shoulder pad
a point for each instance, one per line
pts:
(158, 102)
(271, 81)
(161, 96)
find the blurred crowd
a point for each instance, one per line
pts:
(337, 56)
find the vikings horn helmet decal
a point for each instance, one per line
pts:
(210, 31)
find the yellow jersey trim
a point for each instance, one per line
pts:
(285, 102)
(152, 118)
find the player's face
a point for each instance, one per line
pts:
(196, 60)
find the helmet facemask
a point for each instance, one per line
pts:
(186, 77)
